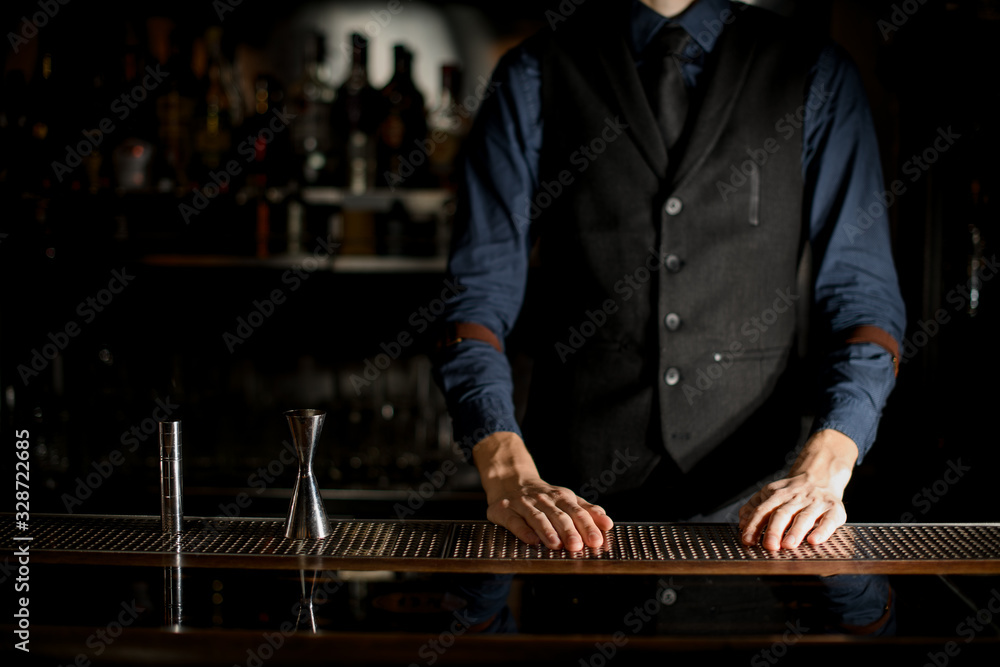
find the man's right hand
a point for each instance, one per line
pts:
(520, 501)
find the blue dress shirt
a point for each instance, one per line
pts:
(856, 281)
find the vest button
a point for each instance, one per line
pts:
(673, 263)
(672, 376)
(673, 206)
(673, 321)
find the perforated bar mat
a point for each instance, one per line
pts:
(481, 546)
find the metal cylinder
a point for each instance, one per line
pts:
(173, 593)
(171, 478)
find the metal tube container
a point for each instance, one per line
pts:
(171, 478)
(173, 592)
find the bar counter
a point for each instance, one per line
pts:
(480, 546)
(115, 589)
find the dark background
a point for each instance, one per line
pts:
(162, 337)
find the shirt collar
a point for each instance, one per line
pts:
(703, 20)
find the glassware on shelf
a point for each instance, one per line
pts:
(311, 98)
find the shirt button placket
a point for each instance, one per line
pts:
(672, 321)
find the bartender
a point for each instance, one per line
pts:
(692, 182)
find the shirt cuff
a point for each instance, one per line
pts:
(858, 381)
(475, 419)
(853, 419)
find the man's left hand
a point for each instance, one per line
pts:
(808, 504)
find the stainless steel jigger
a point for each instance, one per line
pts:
(171, 478)
(306, 516)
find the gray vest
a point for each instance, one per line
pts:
(664, 308)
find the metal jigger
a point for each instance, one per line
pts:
(306, 516)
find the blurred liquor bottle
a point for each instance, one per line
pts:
(97, 124)
(357, 112)
(175, 109)
(155, 79)
(311, 98)
(447, 124)
(402, 153)
(134, 109)
(221, 108)
(269, 165)
(356, 115)
(44, 102)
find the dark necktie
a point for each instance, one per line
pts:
(664, 81)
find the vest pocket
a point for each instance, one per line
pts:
(754, 212)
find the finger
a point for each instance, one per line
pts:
(524, 520)
(803, 522)
(584, 521)
(601, 518)
(762, 504)
(827, 525)
(562, 522)
(777, 524)
(507, 518)
(521, 530)
(756, 521)
(747, 511)
(538, 521)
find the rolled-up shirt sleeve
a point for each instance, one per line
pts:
(491, 242)
(856, 282)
